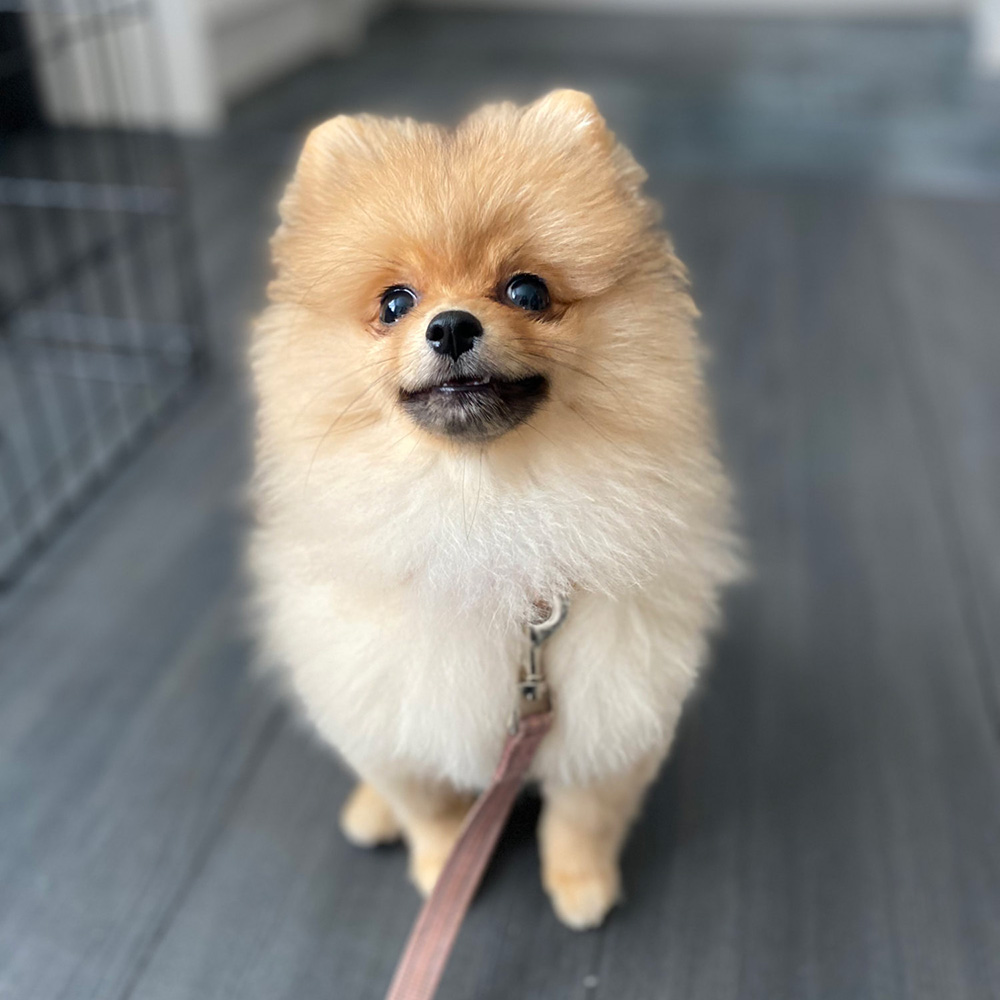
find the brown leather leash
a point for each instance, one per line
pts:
(433, 936)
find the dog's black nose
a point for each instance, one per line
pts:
(453, 332)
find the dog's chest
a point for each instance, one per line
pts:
(433, 693)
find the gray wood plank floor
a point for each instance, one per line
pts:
(829, 824)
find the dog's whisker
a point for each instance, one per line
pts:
(581, 371)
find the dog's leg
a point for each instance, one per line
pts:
(431, 815)
(367, 820)
(581, 833)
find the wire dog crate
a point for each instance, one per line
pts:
(100, 332)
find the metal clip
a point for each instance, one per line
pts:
(533, 690)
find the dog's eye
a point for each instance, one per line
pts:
(396, 303)
(528, 291)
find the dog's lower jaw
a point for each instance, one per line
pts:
(475, 411)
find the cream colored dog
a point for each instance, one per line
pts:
(480, 386)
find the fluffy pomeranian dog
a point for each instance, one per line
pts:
(479, 387)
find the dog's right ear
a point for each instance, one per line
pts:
(328, 155)
(329, 143)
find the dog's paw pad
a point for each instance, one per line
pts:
(582, 900)
(366, 819)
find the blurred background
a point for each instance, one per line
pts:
(829, 823)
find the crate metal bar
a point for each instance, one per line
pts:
(101, 332)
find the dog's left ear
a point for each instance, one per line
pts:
(577, 111)
(573, 116)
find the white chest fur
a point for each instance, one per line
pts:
(393, 599)
(397, 684)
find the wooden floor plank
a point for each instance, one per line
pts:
(836, 845)
(127, 717)
(944, 277)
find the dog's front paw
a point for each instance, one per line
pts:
(426, 865)
(431, 843)
(582, 898)
(367, 820)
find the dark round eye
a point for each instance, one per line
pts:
(396, 303)
(528, 291)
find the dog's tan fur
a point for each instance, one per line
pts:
(395, 568)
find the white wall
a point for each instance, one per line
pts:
(986, 35)
(90, 74)
(180, 65)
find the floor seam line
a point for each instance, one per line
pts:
(268, 734)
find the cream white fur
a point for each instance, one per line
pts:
(395, 593)
(394, 576)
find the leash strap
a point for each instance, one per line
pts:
(433, 935)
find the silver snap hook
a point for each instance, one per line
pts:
(541, 631)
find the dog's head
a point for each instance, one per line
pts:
(464, 281)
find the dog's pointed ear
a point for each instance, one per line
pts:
(572, 119)
(577, 111)
(328, 143)
(329, 152)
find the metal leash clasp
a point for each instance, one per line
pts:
(532, 688)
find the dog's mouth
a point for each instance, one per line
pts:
(475, 407)
(461, 385)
